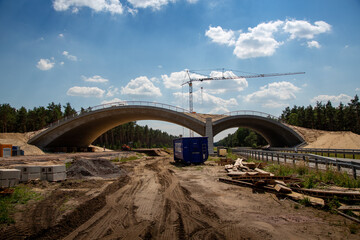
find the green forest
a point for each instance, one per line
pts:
(23, 120)
(325, 116)
(243, 137)
(135, 136)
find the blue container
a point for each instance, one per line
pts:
(191, 150)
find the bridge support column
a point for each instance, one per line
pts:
(209, 134)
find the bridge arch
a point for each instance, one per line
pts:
(82, 130)
(275, 133)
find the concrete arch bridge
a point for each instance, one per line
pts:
(82, 129)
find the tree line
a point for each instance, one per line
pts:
(325, 116)
(135, 136)
(27, 120)
(243, 137)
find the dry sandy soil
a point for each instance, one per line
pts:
(328, 139)
(157, 199)
(20, 139)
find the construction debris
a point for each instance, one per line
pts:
(250, 174)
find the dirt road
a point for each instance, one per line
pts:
(159, 200)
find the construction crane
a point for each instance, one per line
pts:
(191, 80)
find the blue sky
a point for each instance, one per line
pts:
(96, 51)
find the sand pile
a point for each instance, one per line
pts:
(328, 139)
(337, 140)
(20, 139)
(98, 167)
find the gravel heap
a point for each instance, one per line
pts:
(90, 167)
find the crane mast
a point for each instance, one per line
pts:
(191, 80)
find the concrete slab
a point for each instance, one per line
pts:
(4, 183)
(54, 177)
(28, 168)
(53, 169)
(29, 176)
(10, 174)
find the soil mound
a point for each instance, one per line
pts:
(20, 139)
(328, 139)
(98, 167)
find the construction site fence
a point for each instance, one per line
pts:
(312, 160)
(345, 153)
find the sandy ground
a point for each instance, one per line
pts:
(20, 139)
(160, 200)
(327, 139)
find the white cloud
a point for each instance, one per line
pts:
(112, 91)
(260, 41)
(141, 86)
(221, 36)
(62, 63)
(231, 84)
(192, 1)
(112, 6)
(304, 29)
(175, 79)
(115, 100)
(61, 35)
(95, 79)
(357, 89)
(274, 94)
(218, 105)
(45, 64)
(154, 4)
(333, 99)
(85, 92)
(132, 11)
(313, 44)
(155, 80)
(68, 56)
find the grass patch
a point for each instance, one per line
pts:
(68, 165)
(305, 201)
(312, 178)
(280, 170)
(126, 159)
(22, 194)
(231, 156)
(214, 159)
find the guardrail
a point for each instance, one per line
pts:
(322, 151)
(250, 112)
(294, 157)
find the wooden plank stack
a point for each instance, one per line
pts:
(251, 174)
